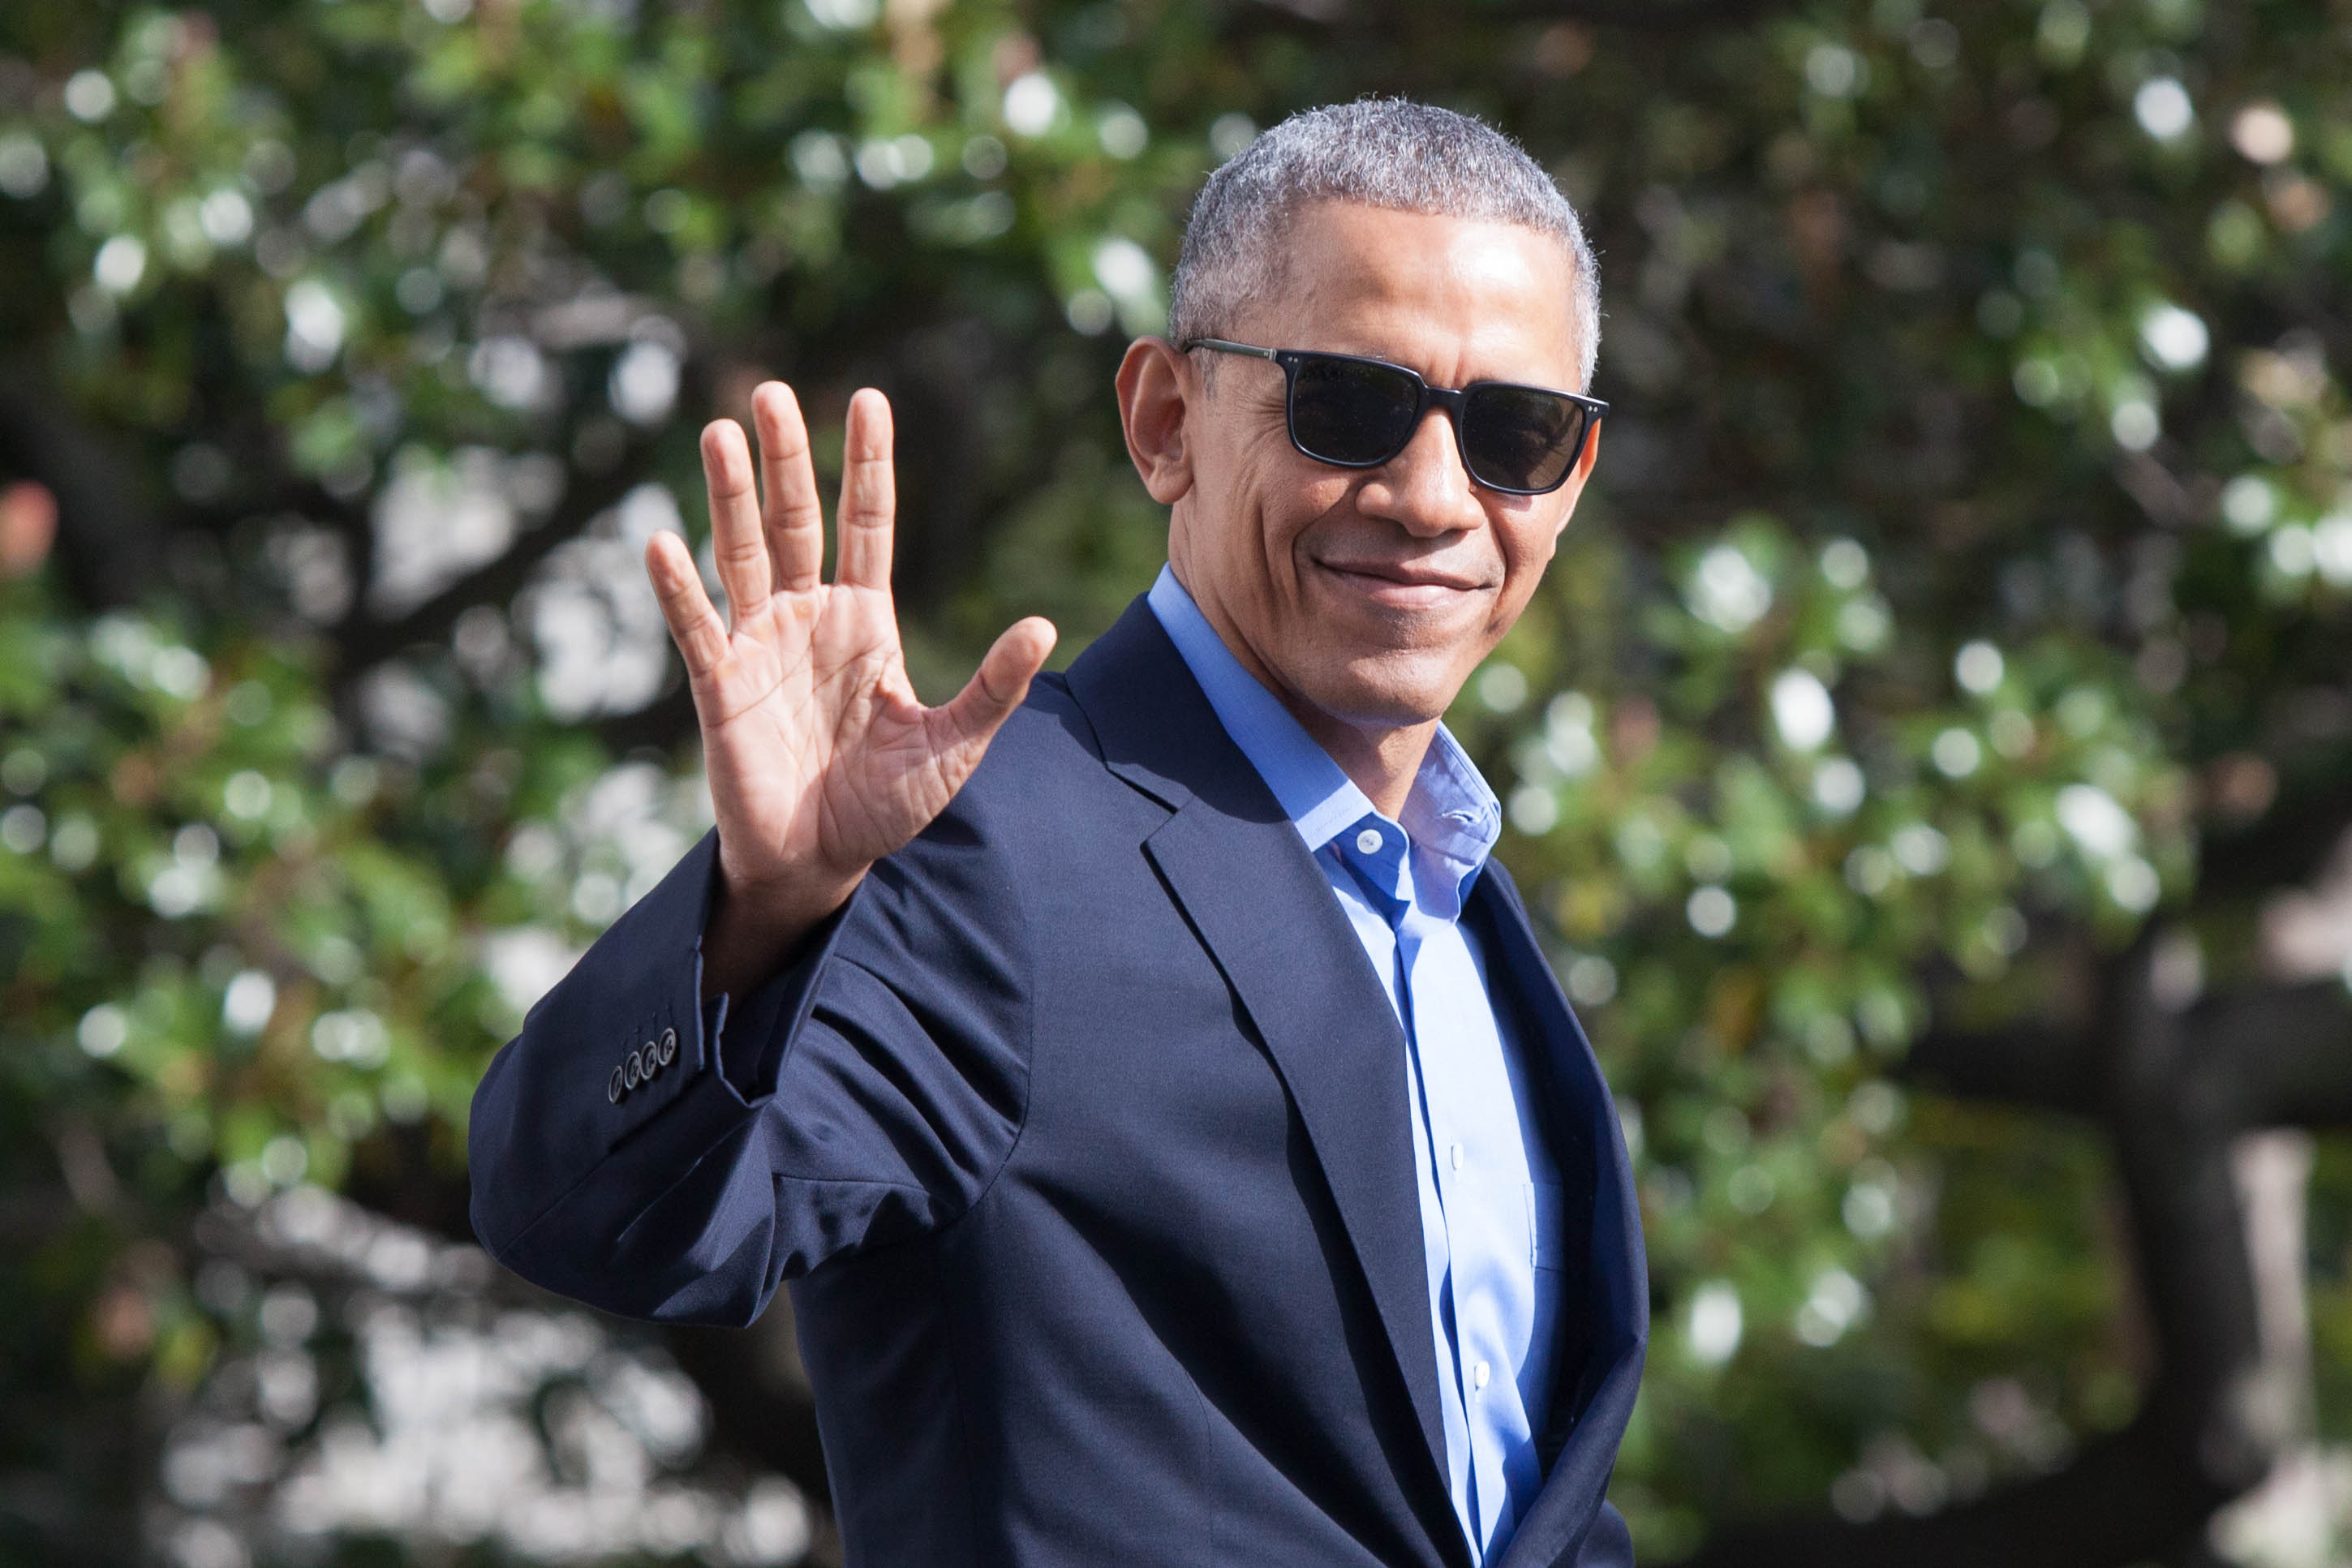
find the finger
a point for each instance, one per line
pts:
(868, 496)
(694, 623)
(795, 521)
(736, 541)
(997, 687)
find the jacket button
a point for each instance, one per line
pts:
(633, 1069)
(648, 1060)
(615, 1087)
(668, 1046)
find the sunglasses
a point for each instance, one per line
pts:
(1354, 412)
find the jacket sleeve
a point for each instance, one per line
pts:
(650, 1156)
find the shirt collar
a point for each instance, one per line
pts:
(1450, 814)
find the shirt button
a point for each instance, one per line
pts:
(1457, 1153)
(1478, 1376)
(1369, 841)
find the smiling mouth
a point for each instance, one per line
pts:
(1401, 586)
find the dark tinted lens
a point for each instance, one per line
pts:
(1519, 438)
(1346, 412)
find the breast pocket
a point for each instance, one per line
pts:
(1547, 1232)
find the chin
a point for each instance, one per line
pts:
(1388, 690)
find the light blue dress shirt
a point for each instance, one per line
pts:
(1489, 1191)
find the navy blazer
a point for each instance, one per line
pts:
(1081, 1135)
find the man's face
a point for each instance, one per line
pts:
(1372, 594)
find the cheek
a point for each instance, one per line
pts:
(1279, 501)
(1528, 535)
(1526, 541)
(1232, 490)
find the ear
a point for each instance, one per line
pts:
(1156, 388)
(1574, 489)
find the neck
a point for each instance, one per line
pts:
(1382, 760)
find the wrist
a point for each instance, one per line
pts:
(756, 928)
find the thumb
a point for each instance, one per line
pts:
(996, 688)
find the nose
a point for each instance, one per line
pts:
(1424, 487)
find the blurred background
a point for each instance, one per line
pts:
(1931, 750)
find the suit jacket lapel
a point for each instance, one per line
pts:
(1263, 910)
(1592, 1397)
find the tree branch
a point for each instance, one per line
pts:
(1662, 15)
(2285, 845)
(665, 723)
(111, 547)
(2272, 1056)
(364, 643)
(2174, 1091)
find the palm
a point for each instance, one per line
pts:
(813, 736)
(821, 758)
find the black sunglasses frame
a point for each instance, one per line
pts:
(1451, 398)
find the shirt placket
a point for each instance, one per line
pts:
(1381, 860)
(1478, 1183)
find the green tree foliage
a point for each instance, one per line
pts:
(1944, 674)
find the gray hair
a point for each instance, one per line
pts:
(1386, 152)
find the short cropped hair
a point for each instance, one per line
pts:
(1386, 152)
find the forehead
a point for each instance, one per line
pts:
(1456, 298)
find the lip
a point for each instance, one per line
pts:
(1400, 585)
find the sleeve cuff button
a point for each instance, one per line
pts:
(668, 1046)
(616, 1086)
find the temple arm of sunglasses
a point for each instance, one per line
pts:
(1225, 346)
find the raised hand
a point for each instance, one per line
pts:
(822, 759)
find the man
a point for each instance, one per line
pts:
(1178, 1147)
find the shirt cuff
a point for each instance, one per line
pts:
(745, 1033)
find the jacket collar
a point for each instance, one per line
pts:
(1593, 1389)
(1450, 817)
(1240, 870)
